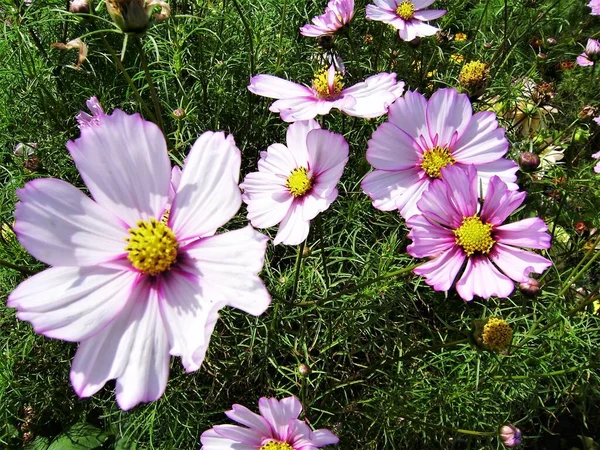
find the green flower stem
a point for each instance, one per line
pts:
(24, 270)
(451, 429)
(297, 272)
(249, 34)
(123, 71)
(153, 93)
(358, 287)
(281, 29)
(537, 375)
(577, 271)
(323, 252)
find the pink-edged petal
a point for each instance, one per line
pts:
(448, 112)
(60, 226)
(134, 349)
(408, 114)
(441, 271)
(175, 180)
(482, 141)
(323, 437)
(244, 416)
(189, 316)
(416, 28)
(429, 14)
(408, 200)
(481, 278)
(384, 15)
(328, 155)
(293, 229)
(72, 303)
(239, 434)
(212, 441)
(301, 108)
(278, 160)
(312, 204)
(386, 188)
(517, 264)
(391, 148)
(295, 139)
(500, 202)
(275, 87)
(528, 233)
(279, 413)
(228, 265)
(125, 165)
(439, 205)
(429, 239)
(208, 194)
(387, 5)
(582, 60)
(373, 96)
(421, 4)
(505, 169)
(463, 186)
(267, 198)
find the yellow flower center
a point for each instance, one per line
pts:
(460, 37)
(298, 182)
(405, 10)
(274, 445)
(152, 246)
(473, 72)
(474, 236)
(322, 88)
(435, 160)
(457, 58)
(497, 334)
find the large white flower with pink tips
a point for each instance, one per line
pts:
(454, 228)
(138, 273)
(337, 14)
(276, 428)
(296, 182)
(407, 16)
(367, 99)
(421, 137)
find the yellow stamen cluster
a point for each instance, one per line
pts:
(435, 160)
(457, 58)
(152, 247)
(298, 182)
(405, 10)
(472, 73)
(460, 37)
(497, 334)
(474, 236)
(321, 85)
(274, 445)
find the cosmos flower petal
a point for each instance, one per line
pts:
(302, 108)
(328, 155)
(337, 14)
(505, 169)
(386, 187)
(448, 112)
(440, 272)
(438, 204)
(243, 415)
(500, 202)
(407, 201)
(391, 148)
(429, 238)
(323, 437)
(408, 114)
(228, 265)
(134, 349)
(528, 233)
(517, 264)
(373, 96)
(388, 5)
(481, 278)
(482, 140)
(107, 155)
(275, 87)
(278, 413)
(212, 441)
(59, 225)
(582, 60)
(293, 229)
(295, 139)
(313, 205)
(175, 180)
(73, 303)
(420, 4)
(208, 194)
(239, 434)
(383, 15)
(429, 14)
(268, 200)
(464, 195)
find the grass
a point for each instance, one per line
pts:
(392, 363)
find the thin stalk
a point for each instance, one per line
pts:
(450, 429)
(537, 375)
(153, 93)
(22, 269)
(280, 48)
(297, 273)
(249, 34)
(323, 252)
(572, 279)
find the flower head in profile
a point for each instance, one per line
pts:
(368, 99)
(510, 435)
(137, 272)
(597, 166)
(277, 427)
(296, 182)
(337, 14)
(455, 231)
(591, 54)
(86, 120)
(133, 16)
(422, 137)
(595, 5)
(407, 16)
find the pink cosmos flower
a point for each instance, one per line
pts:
(406, 16)
(453, 228)
(84, 119)
(295, 183)
(597, 166)
(368, 99)
(276, 428)
(421, 137)
(132, 281)
(337, 14)
(591, 54)
(595, 5)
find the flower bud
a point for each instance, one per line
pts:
(496, 334)
(133, 16)
(580, 135)
(304, 370)
(511, 436)
(529, 162)
(551, 41)
(179, 113)
(587, 112)
(530, 288)
(305, 251)
(79, 7)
